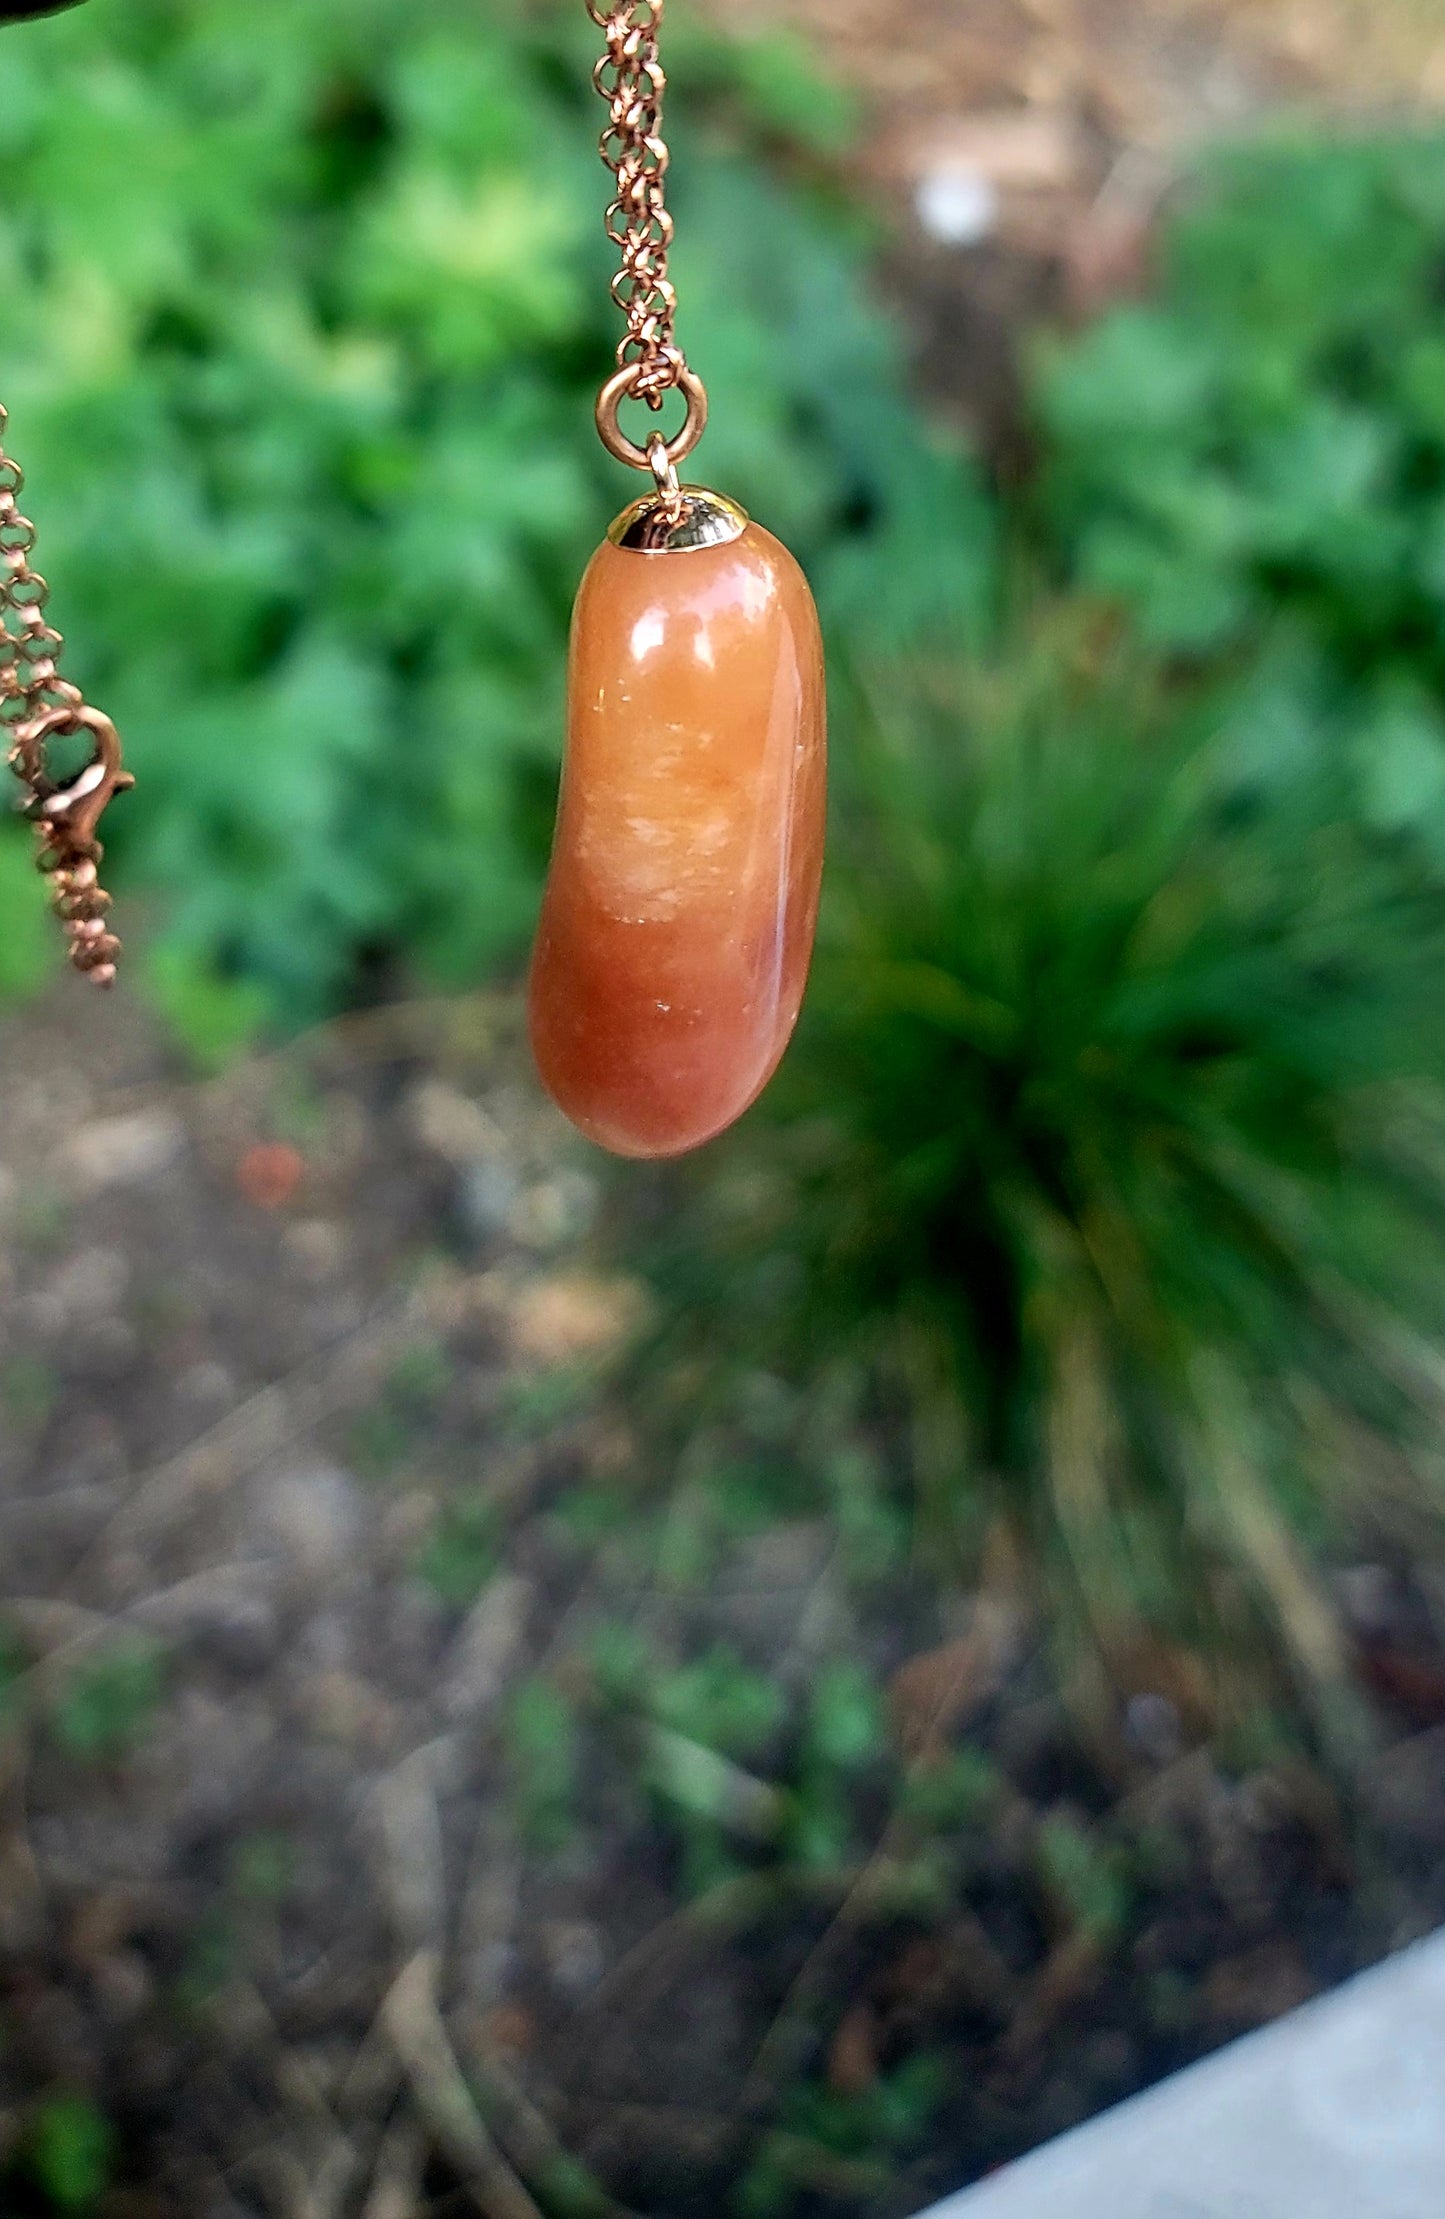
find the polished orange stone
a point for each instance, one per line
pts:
(678, 922)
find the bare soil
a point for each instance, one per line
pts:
(305, 1929)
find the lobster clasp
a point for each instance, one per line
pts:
(69, 810)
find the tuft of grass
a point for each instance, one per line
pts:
(1112, 1151)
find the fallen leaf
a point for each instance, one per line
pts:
(853, 2055)
(932, 1694)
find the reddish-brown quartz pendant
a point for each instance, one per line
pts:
(678, 922)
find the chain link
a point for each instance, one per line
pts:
(630, 79)
(37, 707)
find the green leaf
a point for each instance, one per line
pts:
(461, 1553)
(1087, 1879)
(721, 1702)
(107, 1701)
(72, 2149)
(846, 1727)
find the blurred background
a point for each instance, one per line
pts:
(773, 1687)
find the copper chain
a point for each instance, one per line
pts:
(37, 707)
(630, 79)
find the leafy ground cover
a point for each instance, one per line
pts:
(1258, 455)
(311, 444)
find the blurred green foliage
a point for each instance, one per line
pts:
(844, 2146)
(952, 1794)
(307, 307)
(461, 1552)
(70, 2150)
(844, 1739)
(1260, 450)
(236, 1926)
(107, 1701)
(543, 1759)
(28, 1392)
(25, 931)
(719, 1701)
(739, 1767)
(1087, 1882)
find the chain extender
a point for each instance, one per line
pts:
(37, 708)
(650, 363)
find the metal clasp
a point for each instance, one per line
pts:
(70, 810)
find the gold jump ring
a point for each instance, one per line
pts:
(623, 387)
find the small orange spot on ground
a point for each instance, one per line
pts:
(270, 1173)
(510, 2027)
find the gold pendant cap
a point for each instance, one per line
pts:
(679, 523)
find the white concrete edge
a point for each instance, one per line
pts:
(1337, 2112)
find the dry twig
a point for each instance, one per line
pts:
(412, 2018)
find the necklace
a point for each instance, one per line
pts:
(678, 920)
(40, 712)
